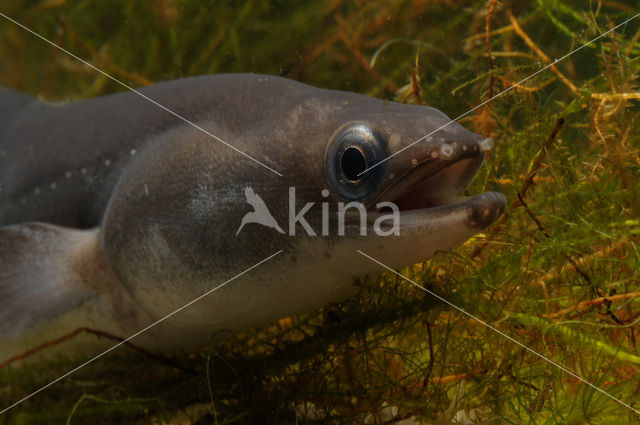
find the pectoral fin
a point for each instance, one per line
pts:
(45, 272)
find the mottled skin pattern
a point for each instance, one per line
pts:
(163, 202)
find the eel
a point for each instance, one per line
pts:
(114, 212)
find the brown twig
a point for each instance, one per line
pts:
(535, 165)
(492, 6)
(588, 303)
(468, 42)
(537, 404)
(539, 52)
(533, 217)
(103, 61)
(415, 85)
(542, 230)
(632, 44)
(99, 334)
(583, 261)
(438, 380)
(537, 162)
(621, 98)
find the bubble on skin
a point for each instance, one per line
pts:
(429, 139)
(391, 175)
(132, 152)
(446, 150)
(395, 138)
(486, 144)
(107, 162)
(83, 171)
(464, 147)
(434, 154)
(53, 186)
(414, 162)
(325, 193)
(67, 175)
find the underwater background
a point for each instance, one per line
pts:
(559, 272)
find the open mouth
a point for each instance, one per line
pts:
(434, 187)
(440, 189)
(434, 183)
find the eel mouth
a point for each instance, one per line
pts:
(441, 188)
(434, 187)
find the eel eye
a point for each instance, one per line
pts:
(353, 162)
(348, 155)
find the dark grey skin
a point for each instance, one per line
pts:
(114, 213)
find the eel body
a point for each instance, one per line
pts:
(114, 213)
